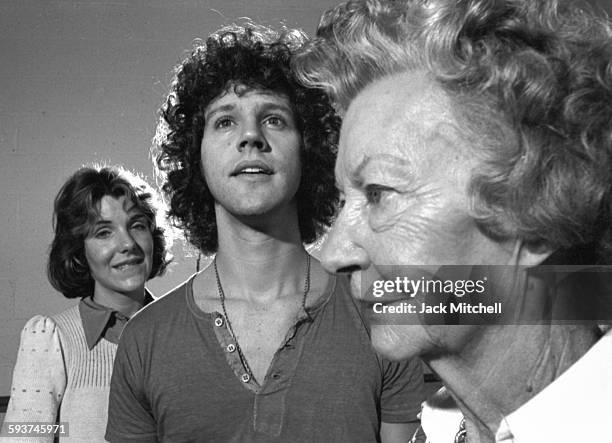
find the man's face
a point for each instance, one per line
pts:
(251, 152)
(404, 172)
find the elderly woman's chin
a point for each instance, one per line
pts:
(400, 342)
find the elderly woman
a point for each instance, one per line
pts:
(107, 244)
(480, 133)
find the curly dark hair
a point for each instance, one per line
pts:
(75, 211)
(530, 84)
(258, 58)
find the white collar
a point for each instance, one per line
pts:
(574, 408)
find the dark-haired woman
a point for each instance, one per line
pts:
(107, 244)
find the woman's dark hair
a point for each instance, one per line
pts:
(76, 209)
(254, 57)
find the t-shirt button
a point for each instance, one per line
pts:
(231, 347)
(245, 378)
(219, 321)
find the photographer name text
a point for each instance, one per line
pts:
(440, 308)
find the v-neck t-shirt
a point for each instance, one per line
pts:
(178, 377)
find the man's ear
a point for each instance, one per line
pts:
(529, 254)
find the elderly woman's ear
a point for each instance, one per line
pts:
(530, 254)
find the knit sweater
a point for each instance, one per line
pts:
(56, 372)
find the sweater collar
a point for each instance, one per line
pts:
(103, 322)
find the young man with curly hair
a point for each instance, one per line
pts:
(263, 344)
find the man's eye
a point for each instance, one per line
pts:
(223, 122)
(374, 193)
(275, 120)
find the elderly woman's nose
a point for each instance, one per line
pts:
(340, 252)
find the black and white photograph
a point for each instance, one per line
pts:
(286, 221)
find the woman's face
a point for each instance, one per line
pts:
(119, 249)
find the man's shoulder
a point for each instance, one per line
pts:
(343, 296)
(162, 308)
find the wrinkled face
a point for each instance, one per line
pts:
(119, 249)
(251, 152)
(404, 172)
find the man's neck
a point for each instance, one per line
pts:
(261, 263)
(506, 366)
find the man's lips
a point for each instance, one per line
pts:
(252, 167)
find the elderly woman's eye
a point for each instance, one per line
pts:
(374, 193)
(341, 199)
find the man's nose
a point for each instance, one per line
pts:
(252, 137)
(341, 252)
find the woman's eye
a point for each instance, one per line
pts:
(140, 226)
(102, 233)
